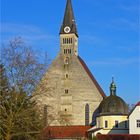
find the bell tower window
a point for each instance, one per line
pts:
(67, 41)
(67, 51)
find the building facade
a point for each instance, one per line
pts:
(134, 120)
(112, 117)
(68, 90)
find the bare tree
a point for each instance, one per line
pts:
(23, 65)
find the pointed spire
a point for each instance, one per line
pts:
(69, 20)
(112, 87)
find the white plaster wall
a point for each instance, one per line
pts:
(134, 116)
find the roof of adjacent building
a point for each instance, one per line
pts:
(60, 132)
(69, 19)
(113, 104)
(138, 104)
(92, 77)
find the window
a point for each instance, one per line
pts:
(98, 124)
(67, 51)
(66, 90)
(138, 123)
(106, 124)
(45, 114)
(71, 40)
(125, 124)
(67, 40)
(67, 75)
(67, 61)
(116, 124)
(63, 40)
(87, 114)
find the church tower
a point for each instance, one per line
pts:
(68, 32)
(68, 91)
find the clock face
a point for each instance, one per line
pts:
(67, 29)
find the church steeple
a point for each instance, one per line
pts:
(69, 25)
(68, 33)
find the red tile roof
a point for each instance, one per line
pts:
(138, 104)
(119, 137)
(92, 77)
(59, 132)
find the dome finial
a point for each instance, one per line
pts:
(112, 87)
(112, 79)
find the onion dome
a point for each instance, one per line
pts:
(113, 104)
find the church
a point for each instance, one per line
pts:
(70, 99)
(68, 93)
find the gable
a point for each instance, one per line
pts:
(92, 77)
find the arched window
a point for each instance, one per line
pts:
(87, 114)
(116, 124)
(45, 114)
(71, 40)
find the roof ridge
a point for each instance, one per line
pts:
(138, 103)
(92, 77)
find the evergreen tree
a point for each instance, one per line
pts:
(19, 119)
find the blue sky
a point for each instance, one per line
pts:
(108, 36)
